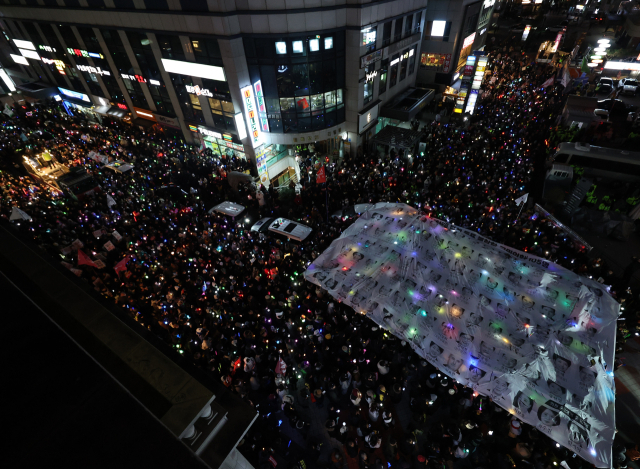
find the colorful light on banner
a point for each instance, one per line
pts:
(262, 109)
(251, 115)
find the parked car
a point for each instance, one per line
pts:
(605, 86)
(616, 107)
(284, 227)
(628, 86)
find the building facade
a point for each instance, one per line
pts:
(453, 30)
(259, 79)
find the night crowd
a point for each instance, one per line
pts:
(236, 303)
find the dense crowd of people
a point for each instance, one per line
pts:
(235, 301)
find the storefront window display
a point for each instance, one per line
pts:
(223, 147)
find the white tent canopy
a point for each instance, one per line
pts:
(536, 338)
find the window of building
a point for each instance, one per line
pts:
(382, 87)
(418, 20)
(412, 60)
(437, 30)
(328, 43)
(368, 92)
(170, 46)
(386, 33)
(403, 65)
(393, 78)
(397, 32)
(408, 25)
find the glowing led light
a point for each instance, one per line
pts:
(604, 41)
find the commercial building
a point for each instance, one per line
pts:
(452, 31)
(256, 79)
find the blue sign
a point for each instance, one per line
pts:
(75, 95)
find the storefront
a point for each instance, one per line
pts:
(221, 145)
(76, 103)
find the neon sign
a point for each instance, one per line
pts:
(262, 108)
(251, 114)
(87, 68)
(199, 91)
(84, 53)
(47, 48)
(138, 78)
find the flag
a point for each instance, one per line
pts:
(236, 365)
(549, 82)
(281, 367)
(122, 265)
(522, 200)
(83, 259)
(322, 176)
(584, 67)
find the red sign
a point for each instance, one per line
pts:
(322, 176)
(447, 63)
(123, 106)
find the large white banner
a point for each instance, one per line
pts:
(535, 337)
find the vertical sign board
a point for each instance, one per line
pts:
(262, 109)
(465, 84)
(478, 75)
(252, 115)
(261, 162)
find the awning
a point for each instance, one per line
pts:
(145, 123)
(406, 106)
(102, 110)
(117, 112)
(397, 137)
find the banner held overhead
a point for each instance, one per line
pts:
(538, 339)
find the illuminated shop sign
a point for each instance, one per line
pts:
(123, 107)
(371, 75)
(75, 94)
(368, 36)
(154, 82)
(251, 115)
(24, 44)
(87, 68)
(194, 70)
(199, 91)
(469, 40)
(138, 78)
(29, 54)
(209, 133)
(47, 48)
(262, 109)
(84, 53)
(60, 65)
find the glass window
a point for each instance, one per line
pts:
(368, 92)
(386, 33)
(330, 98)
(328, 43)
(275, 126)
(416, 26)
(329, 75)
(330, 118)
(302, 103)
(317, 102)
(408, 24)
(314, 45)
(215, 104)
(273, 105)
(195, 102)
(339, 96)
(412, 60)
(304, 124)
(228, 107)
(317, 122)
(285, 84)
(382, 87)
(281, 48)
(300, 76)
(403, 65)
(315, 77)
(290, 124)
(394, 70)
(287, 104)
(297, 47)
